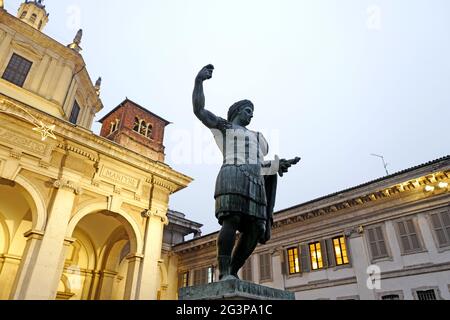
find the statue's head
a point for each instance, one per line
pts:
(241, 112)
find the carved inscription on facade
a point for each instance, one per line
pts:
(119, 177)
(24, 143)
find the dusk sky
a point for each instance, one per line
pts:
(333, 81)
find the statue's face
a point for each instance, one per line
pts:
(245, 116)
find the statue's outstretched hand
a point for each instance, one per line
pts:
(206, 73)
(286, 164)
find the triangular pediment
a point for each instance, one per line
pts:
(27, 48)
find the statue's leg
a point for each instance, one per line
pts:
(246, 245)
(225, 244)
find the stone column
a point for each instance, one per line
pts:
(360, 263)
(4, 48)
(87, 284)
(172, 276)
(132, 282)
(9, 266)
(107, 284)
(40, 73)
(34, 239)
(149, 283)
(63, 85)
(44, 90)
(41, 278)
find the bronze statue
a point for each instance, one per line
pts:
(246, 186)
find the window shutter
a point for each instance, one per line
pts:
(265, 261)
(197, 277)
(180, 280)
(205, 275)
(304, 255)
(446, 222)
(438, 229)
(330, 253)
(381, 244)
(323, 249)
(414, 239)
(284, 263)
(373, 243)
(403, 235)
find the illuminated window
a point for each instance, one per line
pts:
(17, 70)
(293, 261)
(210, 274)
(316, 256)
(340, 251)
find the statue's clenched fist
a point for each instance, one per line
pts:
(206, 73)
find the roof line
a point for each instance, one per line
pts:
(337, 193)
(137, 105)
(367, 183)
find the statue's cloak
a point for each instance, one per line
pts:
(270, 183)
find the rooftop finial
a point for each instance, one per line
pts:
(75, 45)
(98, 85)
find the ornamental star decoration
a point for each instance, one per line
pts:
(45, 131)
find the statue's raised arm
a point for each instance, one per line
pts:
(208, 118)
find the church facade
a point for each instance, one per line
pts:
(81, 216)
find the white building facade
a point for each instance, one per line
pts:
(385, 240)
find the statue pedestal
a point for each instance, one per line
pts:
(233, 290)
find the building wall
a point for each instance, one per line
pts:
(81, 217)
(57, 76)
(351, 214)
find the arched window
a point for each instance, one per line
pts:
(114, 126)
(23, 15)
(33, 18)
(40, 25)
(143, 128)
(137, 125)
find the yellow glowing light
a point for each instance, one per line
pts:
(45, 131)
(443, 185)
(429, 188)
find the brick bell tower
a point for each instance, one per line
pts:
(136, 128)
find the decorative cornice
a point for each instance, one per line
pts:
(67, 184)
(164, 183)
(372, 197)
(77, 150)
